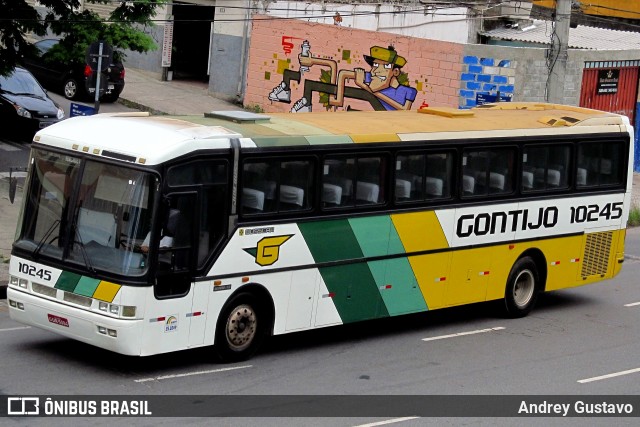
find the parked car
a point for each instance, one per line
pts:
(25, 106)
(72, 79)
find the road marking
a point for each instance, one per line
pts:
(604, 377)
(188, 374)
(13, 174)
(632, 304)
(382, 423)
(459, 334)
(17, 328)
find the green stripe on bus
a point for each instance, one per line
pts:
(331, 240)
(355, 293)
(376, 236)
(398, 286)
(86, 286)
(394, 278)
(67, 281)
(280, 141)
(329, 139)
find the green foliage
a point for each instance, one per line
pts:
(123, 29)
(634, 216)
(256, 108)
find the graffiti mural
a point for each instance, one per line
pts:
(384, 86)
(299, 66)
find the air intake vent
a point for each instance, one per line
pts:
(596, 254)
(44, 290)
(77, 299)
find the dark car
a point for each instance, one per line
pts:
(25, 106)
(72, 79)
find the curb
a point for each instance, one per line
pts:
(138, 106)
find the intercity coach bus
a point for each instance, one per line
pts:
(150, 234)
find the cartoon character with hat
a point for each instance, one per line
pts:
(382, 80)
(379, 86)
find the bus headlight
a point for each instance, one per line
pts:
(118, 310)
(128, 311)
(15, 281)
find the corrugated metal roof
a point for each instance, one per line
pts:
(581, 37)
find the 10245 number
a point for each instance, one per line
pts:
(32, 270)
(593, 213)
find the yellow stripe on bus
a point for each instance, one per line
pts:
(106, 291)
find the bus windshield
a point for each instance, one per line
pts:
(84, 212)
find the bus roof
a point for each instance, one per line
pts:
(154, 139)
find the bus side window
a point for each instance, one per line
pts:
(598, 164)
(423, 176)
(545, 167)
(489, 171)
(296, 178)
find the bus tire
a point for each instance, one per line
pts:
(523, 286)
(241, 328)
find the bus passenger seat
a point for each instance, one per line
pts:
(367, 192)
(331, 194)
(252, 200)
(292, 195)
(553, 177)
(496, 181)
(527, 180)
(468, 184)
(581, 178)
(403, 189)
(434, 186)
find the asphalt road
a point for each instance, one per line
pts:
(582, 341)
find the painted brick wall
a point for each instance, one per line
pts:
(432, 68)
(486, 76)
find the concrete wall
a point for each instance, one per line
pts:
(229, 49)
(150, 61)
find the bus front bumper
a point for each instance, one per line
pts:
(120, 336)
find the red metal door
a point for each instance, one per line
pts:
(623, 101)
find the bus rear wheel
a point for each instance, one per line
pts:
(522, 289)
(241, 328)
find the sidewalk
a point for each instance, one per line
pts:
(145, 92)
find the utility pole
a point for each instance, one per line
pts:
(557, 55)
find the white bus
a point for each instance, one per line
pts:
(150, 234)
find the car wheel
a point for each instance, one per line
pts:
(71, 88)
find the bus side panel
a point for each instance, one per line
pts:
(422, 231)
(619, 259)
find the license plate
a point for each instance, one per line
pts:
(110, 87)
(45, 124)
(58, 320)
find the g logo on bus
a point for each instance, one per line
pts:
(268, 250)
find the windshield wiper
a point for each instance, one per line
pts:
(83, 251)
(45, 237)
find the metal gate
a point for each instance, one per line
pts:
(611, 86)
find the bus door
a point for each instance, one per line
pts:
(174, 271)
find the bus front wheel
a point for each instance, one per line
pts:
(241, 328)
(522, 288)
